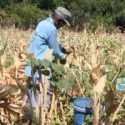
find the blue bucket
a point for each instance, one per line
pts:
(82, 107)
(120, 85)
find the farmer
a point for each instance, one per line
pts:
(44, 39)
(45, 36)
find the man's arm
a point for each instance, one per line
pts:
(53, 44)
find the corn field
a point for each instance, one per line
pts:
(99, 59)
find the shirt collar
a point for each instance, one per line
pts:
(50, 19)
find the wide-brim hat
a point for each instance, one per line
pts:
(64, 14)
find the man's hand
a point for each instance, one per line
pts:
(63, 61)
(66, 50)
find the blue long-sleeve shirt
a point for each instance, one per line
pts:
(44, 38)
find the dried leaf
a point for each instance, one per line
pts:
(99, 88)
(97, 73)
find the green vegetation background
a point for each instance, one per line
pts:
(86, 13)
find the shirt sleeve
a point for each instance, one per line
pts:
(53, 44)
